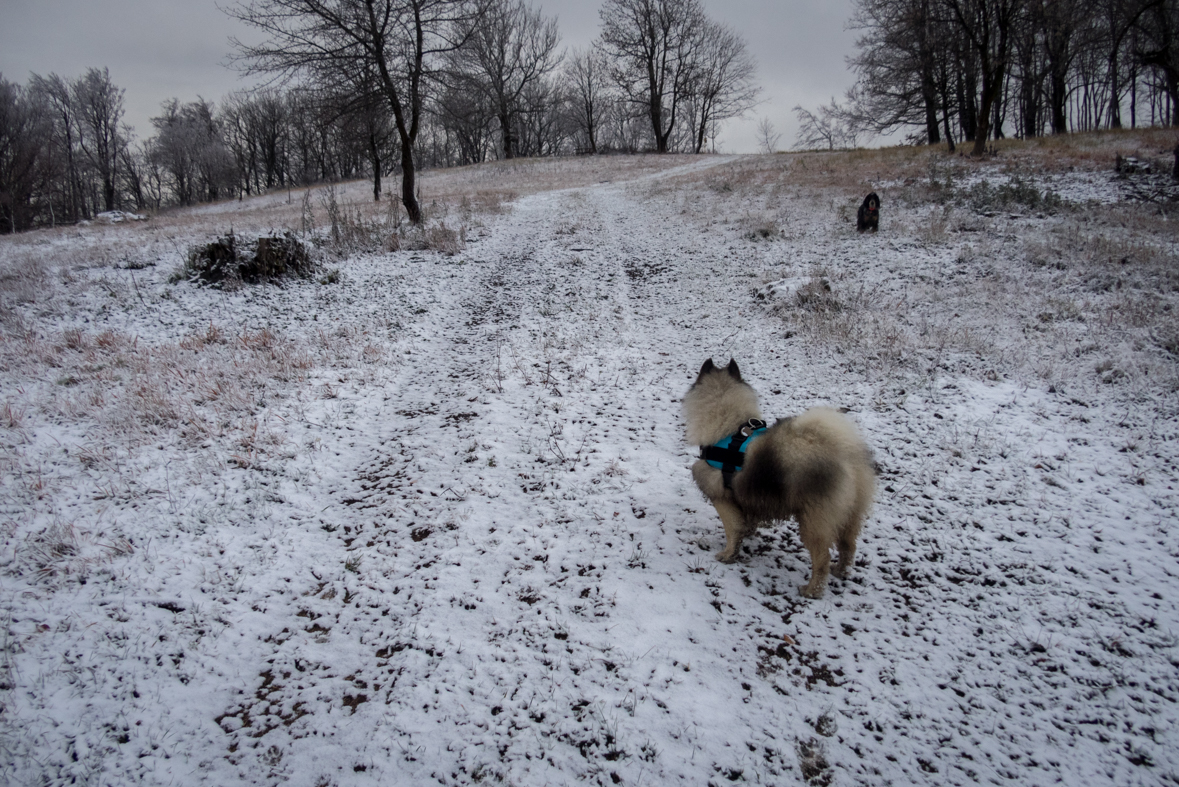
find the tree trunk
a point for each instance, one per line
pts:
(1134, 99)
(1115, 104)
(982, 130)
(375, 158)
(990, 97)
(929, 95)
(946, 118)
(1029, 100)
(408, 173)
(72, 168)
(657, 127)
(967, 107)
(505, 124)
(1000, 112)
(656, 112)
(591, 121)
(1171, 86)
(928, 77)
(1058, 97)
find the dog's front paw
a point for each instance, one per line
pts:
(727, 556)
(809, 592)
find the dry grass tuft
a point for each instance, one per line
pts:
(1005, 281)
(191, 389)
(24, 276)
(63, 549)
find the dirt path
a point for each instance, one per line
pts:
(528, 593)
(472, 552)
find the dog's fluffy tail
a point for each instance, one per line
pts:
(841, 440)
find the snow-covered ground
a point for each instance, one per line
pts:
(433, 523)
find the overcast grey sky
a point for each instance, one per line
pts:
(160, 49)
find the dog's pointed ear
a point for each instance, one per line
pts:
(734, 372)
(705, 369)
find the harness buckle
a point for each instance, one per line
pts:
(751, 426)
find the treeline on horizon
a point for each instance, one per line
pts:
(495, 84)
(970, 71)
(440, 83)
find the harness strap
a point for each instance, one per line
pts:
(728, 454)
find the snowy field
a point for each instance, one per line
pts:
(432, 522)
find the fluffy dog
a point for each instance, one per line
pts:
(868, 216)
(814, 467)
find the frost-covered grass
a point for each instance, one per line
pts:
(428, 519)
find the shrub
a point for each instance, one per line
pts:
(1017, 191)
(225, 263)
(816, 296)
(276, 257)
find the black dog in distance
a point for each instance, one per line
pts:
(868, 216)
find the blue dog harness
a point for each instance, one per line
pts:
(728, 453)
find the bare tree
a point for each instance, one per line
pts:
(1046, 45)
(722, 84)
(1028, 71)
(542, 129)
(826, 128)
(767, 136)
(652, 47)
(589, 95)
(400, 40)
(1159, 47)
(132, 169)
(509, 50)
(99, 107)
(988, 27)
(237, 123)
(309, 133)
(1117, 18)
(380, 138)
(629, 128)
(172, 151)
(897, 65)
(190, 149)
(965, 58)
(1060, 63)
(467, 122)
(356, 103)
(58, 97)
(22, 129)
(256, 127)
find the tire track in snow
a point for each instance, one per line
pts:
(490, 537)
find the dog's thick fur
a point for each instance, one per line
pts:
(868, 216)
(814, 467)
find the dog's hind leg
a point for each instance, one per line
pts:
(846, 540)
(815, 539)
(847, 545)
(735, 529)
